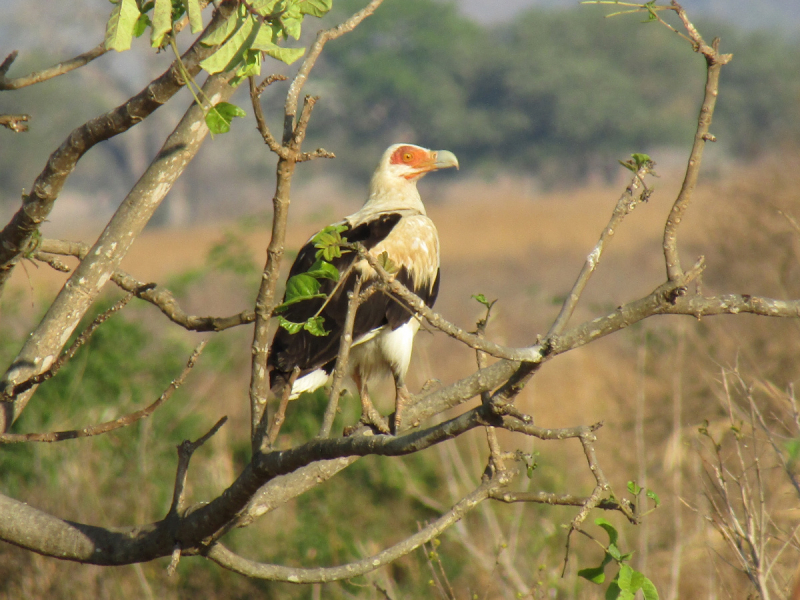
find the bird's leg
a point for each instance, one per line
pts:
(369, 415)
(402, 399)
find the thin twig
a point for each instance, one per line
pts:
(625, 205)
(280, 414)
(8, 395)
(129, 419)
(345, 342)
(16, 123)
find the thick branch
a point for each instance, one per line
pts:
(79, 292)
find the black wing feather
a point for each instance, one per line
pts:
(311, 352)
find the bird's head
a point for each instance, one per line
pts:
(394, 184)
(412, 162)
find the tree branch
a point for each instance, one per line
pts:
(45, 342)
(7, 83)
(156, 295)
(225, 558)
(715, 61)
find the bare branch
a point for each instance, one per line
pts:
(150, 292)
(354, 301)
(10, 392)
(225, 558)
(324, 36)
(16, 83)
(16, 123)
(416, 305)
(625, 205)
(261, 122)
(715, 61)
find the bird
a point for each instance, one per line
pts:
(391, 225)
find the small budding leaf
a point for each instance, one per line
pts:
(634, 488)
(328, 242)
(653, 496)
(482, 299)
(289, 325)
(315, 326)
(387, 264)
(220, 116)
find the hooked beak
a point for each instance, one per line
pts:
(444, 159)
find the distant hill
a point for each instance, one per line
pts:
(747, 14)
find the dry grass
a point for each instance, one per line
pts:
(525, 248)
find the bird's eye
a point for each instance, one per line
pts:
(407, 157)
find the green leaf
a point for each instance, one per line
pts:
(301, 287)
(195, 15)
(610, 530)
(251, 66)
(230, 54)
(614, 552)
(315, 8)
(328, 242)
(220, 116)
(120, 26)
(323, 270)
(613, 592)
(634, 488)
(290, 326)
(142, 23)
(264, 7)
(291, 21)
(386, 263)
(285, 55)
(594, 574)
(162, 22)
(625, 578)
(314, 326)
(653, 496)
(637, 580)
(221, 32)
(649, 590)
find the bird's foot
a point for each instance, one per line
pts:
(372, 418)
(403, 399)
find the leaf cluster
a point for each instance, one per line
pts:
(253, 30)
(306, 286)
(628, 581)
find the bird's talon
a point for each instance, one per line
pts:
(373, 419)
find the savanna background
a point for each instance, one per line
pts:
(538, 101)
